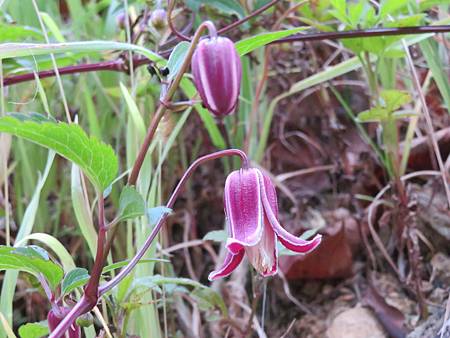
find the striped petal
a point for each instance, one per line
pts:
(244, 209)
(217, 71)
(269, 200)
(231, 262)
(263, 256)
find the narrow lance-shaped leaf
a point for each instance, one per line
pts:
(96, 159)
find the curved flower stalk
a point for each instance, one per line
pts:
(252, 216)
(217, 71)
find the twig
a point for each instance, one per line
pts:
(365, 33)
(170, 7)
(376, 201)
(85, 303)
(429, 122)
(124, 272)
(118, 65)
(248, 17)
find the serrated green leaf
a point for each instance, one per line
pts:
(131, 204)
(247, 45)
(34, 330)
(31, 259)
(74, 279)
(96, 159)
(154, 214)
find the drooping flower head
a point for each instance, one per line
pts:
(253, 228)
(217, 71)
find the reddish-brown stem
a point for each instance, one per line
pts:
(248, 17)
(263, 79)
(162, 107)
(179, 35)
(126, 270)
(91, 290)
(365, 33)
(146, 144)
(91, 295)
(119, 65)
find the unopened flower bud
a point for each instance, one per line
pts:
(217, 71)
(85, 320)
(55, 317)
(120, 20)
(159, 19)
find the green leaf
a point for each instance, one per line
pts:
(10, 33)
(207, 298)
(339, 5)
(97, 159)
(247, 45)
(226, 6)
(31, 259)
(391, 6)
(74, 279)
(131, 204)
(376, 114)
(430, 50)
(121, 264)
(52, 27)
(216, 236)
(11, 50)
(33, 330)
(57, 247)
(339, 10)
(135, 114)
(154, 214)
(394, 99)
(176, 58)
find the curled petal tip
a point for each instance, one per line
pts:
(300, 245)
(229, 265)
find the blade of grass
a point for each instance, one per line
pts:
(26, 227)
(64, 256)
(430, 51)
(82, 210)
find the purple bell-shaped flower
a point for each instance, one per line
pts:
(253, 228)
(217, 71)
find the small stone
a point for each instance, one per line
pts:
(357, 322)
